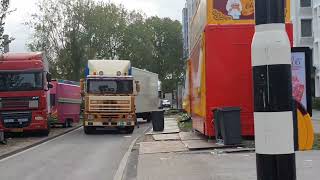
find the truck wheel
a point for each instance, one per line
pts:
(65, 124)
(45, 132)
(149, 118)
(70, 123)
(129, 130)
(88, 130)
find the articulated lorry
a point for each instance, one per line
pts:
(109, 92)
(148, 99)
(24, 93)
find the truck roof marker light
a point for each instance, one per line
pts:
(94, 73)
(101, 73)
(119, 73)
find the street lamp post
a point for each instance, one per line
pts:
(273, 116)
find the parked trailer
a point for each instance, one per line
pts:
(24, 93)
(219, 69)
(148, 98)
(65, 101)
(220, 75)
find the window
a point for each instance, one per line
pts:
(305, 3)
(306, 28)
(21, 81)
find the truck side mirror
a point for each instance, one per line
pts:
(50, 86)
(138, 88)
(49, 77)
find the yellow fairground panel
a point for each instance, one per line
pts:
(305, 131)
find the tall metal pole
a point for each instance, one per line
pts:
(273, 116)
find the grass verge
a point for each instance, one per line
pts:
(316, 145)
(184, 123)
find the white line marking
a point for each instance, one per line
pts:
(124, 161)
(30, 149)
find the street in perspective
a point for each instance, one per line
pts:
(159, 90)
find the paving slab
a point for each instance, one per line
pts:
(166, 137)
(161, 147)
(185, 136)
(202, 144)
(166, 131)
(184, 166)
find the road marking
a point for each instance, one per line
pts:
(30, 149)
(124, 161)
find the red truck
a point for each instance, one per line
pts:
(24, 93)
(65, 100)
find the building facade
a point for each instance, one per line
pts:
(185, 33)
(316, 44)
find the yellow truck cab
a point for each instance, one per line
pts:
(109, 91)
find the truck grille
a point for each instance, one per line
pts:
(15, 102)
(110, 106)
(16, 119)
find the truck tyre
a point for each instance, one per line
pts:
(88, 130)
(69, 121)
(149, 117)
(130, 129)
(65, 124)
(47, 131)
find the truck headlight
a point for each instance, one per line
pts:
(90, 117)
(39, 118)
(130, 116)
(33, 104)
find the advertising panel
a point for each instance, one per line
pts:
(301, 77)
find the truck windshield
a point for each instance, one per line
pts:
(110, 86)
(16, 81)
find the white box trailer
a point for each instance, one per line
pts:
(148, 98)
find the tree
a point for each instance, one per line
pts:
(72, 31)
(4, 11)
(167, 51)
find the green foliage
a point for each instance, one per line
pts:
(316, 103)
(316, 145)
(72, 31)
(4, 11)
(185, 122)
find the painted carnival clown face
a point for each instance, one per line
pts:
(234, 8)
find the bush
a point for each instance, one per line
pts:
(316, 103)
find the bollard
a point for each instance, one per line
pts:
(273, 116)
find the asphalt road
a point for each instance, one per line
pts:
(74, 156)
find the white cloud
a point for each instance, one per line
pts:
(24, 8)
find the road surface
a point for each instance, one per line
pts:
(74, 156)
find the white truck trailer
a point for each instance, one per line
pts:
(148, 98)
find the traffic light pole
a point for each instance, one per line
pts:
(273, 116)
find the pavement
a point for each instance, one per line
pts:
(73, 156)
(162, 157)
(212, 166)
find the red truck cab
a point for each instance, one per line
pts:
(24, 93)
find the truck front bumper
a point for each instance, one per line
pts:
(110, 124)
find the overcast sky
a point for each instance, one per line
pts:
(24, 8)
